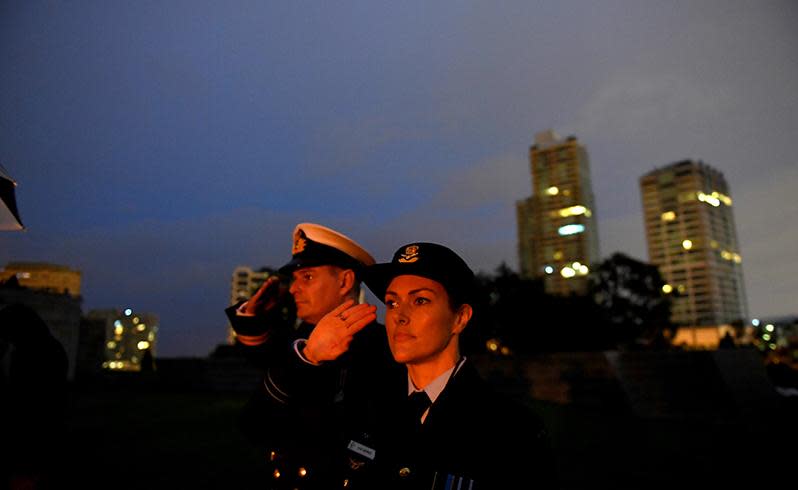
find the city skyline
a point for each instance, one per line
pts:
(157, 147)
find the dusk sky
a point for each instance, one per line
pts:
(157, 145)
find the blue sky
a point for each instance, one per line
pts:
(158, 145)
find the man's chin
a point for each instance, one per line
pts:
(307, 315)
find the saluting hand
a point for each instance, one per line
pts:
(334, 332)
(268, 296)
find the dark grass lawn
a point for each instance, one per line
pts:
(604, 450)
(140, 439)
(136, 438)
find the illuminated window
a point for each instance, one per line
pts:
(668, 216)
(714, 199)
(574, 211)
(572, 229)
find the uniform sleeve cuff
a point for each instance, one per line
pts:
(240, 310)
(299, 344)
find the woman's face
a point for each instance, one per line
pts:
(419, 320)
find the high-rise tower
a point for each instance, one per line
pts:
(557, 233)
(691, 237)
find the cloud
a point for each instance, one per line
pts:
(501, 178)
(179, 270)
(765, 214)
(472, 210)
(625, 234)
(635, 105)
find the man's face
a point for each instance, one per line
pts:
(317, 291)
(419, 321)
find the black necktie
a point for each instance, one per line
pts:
(418, 402)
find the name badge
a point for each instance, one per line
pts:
(361, 449)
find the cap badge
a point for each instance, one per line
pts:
(410, 255)
(299, 242)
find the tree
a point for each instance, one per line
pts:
(504, 315)
(518, 315)
(632, 303)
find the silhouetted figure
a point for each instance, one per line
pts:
(33, 387)
(727, 341)
(147, 362)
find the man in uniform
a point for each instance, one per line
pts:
(312, 413)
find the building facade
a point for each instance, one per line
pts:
(691, 237)
(557, 232)
(42, 276)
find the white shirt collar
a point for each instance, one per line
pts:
(437, 385)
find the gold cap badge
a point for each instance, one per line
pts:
(410, 254)
(299, 242)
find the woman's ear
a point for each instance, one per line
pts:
(462, 317)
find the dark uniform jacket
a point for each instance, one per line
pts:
(33, 399)
(303, 417)
(472, 438)
(346, 424)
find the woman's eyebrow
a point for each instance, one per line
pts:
(411, 292)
